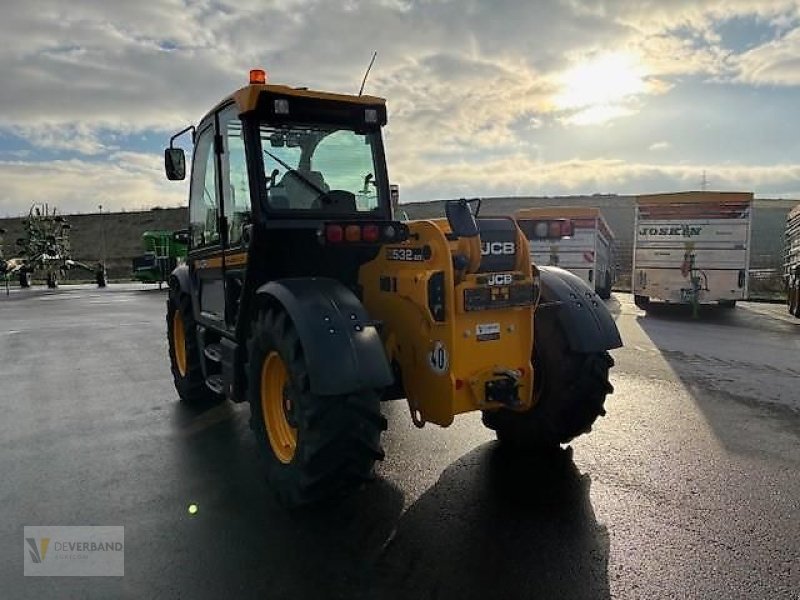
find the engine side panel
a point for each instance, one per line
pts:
(451, 352)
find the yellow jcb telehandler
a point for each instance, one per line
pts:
(304, 297)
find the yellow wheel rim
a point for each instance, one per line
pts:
(179, 342)
(275, 403)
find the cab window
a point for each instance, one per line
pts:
(203, 201)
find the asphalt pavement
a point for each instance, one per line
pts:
(688, 488)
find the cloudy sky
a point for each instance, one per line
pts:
(486, 97)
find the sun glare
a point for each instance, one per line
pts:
(597, 89)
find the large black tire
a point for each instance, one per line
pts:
(186, 366)
(24, 279)
(794, 300)
(797, 301)
(642, 302)
(52, 280)
(727, 303)
(101, 277)
(605, 291)
(569, 393)
(337, 437)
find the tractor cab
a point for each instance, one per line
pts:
(276, 170)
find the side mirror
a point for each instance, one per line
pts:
(462, 221)
(181, 237)
(175, 164)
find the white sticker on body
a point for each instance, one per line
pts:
(487, 331)
(437, 359)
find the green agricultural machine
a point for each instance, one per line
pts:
(162, 254)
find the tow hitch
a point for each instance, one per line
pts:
(504, 389)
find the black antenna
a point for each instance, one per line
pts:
(364, 81)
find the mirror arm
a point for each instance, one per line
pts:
(181, 132)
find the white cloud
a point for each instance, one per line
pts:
(469, 83)
(126, 181)
(659, 146)
(525, 175)
(774, 63)
(74, 137)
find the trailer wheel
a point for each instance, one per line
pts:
(642, 302)
(184, 352)
(24, 279)
(605, 291)
(316, 447)
(570, 389)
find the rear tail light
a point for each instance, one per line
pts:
(370, 233)
(540, 229)
(363, 233)
(352, 233)
(334, 234)
(552, 229)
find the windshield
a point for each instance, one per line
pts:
(320, 169)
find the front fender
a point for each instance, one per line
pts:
(343, 350)
(583, 316)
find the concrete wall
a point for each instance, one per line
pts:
(123, 230)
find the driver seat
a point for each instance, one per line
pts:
(292, 192)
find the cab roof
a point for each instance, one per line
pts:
(246, 98)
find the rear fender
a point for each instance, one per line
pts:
(180, 281)
(342, 347)
(583, 316)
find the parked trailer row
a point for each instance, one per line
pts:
(792, 264)
(689, 247)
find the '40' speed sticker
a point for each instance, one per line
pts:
(437, 359)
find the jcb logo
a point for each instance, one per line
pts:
(500, 279)
(496, 248)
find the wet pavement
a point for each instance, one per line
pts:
(688, 488)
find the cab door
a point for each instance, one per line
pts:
(236, 207)
(205, 257)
